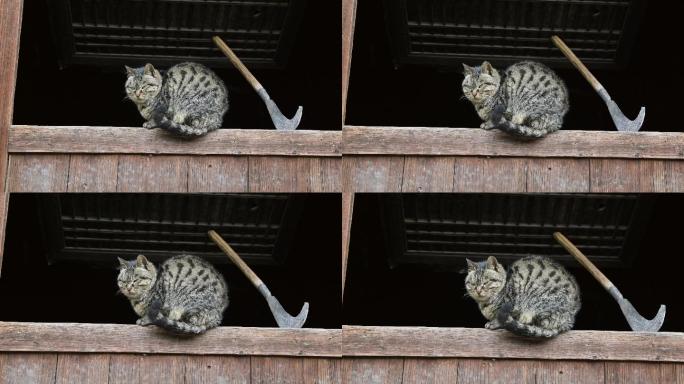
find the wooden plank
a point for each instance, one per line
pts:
(430, 371)
(119, 338)
(326, 174)
(482, 174)
(279, 174)
(218, 174)
(428, 174)
(347, 213)
(322, 371)
(92, 173)
(82, 368)
(512, 371)
(348, 22)
(282, 370)
(478, 142)
(162, 369)
(29, 368)
(661, 176)
(217, 369)
(372, 173)
(4, 205)
(376, 370)
(483, 343)
(10, 30)
(124, 368)
(558, 175)
(23, 138)
(570, 372)
(473, 371)
(632, 373)
(671, 373)
(43, 173)
(614, 175)
(143, 173)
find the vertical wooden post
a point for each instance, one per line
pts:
(347, 212)
(10, 29)
(348, 20)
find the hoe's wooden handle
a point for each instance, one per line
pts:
(570, 247)
(235, 258)
(577, 63)
(237, 63)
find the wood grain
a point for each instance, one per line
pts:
(44, 173)
(218, 174)
(484, 174)
(477, 142)
(326, 174)
(482, 343)
(430, 371)
(428, 174)
(348, 22)
(82, 368)
(473, 371)
(632, 373)
(102, 338)
(615, 175)
(321, 371)
(162, 369)
(145, 173)
(4, 205)
(570, 372)
(279, 174)
(558, 175)
(124, 368)
(347, 214)
(88, 173)
(372, 173)
(10, 30)
(23, 138)
(285, 370)
(29, 368)
(217, 369)
(376, 370)
(511, 371)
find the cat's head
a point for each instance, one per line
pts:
(485, 279)
(143, 84)
(136, 277)
(480, 83)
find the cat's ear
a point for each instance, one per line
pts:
(487, 68)
(471, 265)
(467, 70)
(492, 263)
(129, 71)
(142, 262)
(122, 263)
(149, 69)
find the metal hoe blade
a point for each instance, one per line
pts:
(281, 122)
(284, 319)
(622, 123)
(635, 320)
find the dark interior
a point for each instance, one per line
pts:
(93, 94)
(386, 93)
(85, 291)
(379, 293)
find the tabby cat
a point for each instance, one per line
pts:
(537, 297)
(529, 101)
(189, 100)
(186, 296)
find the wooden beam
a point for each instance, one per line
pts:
(348, 22)
(478, 142)
(483, 343)
(347, 213)
(49, 139)
(117, 338)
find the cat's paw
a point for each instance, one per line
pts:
(487, 125)
(494, 324)
(143, 321)
(149, 125)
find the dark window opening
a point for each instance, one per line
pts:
(72, 56)
(387, 89)
(407, 253)
(61, 252)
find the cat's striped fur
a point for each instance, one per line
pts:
(186, 295)
(529, 101)
(189, 100)
(537, 297)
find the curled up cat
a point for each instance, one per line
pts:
(528, 101)
(189, 100)
(537, 297)
(186, 295)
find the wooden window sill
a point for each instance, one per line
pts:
(117, 338)
(359, 341)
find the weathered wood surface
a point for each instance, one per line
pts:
(348, 22)
(4, 205)
(347, 213)
(55, 139)
(478, 142)
(391, 173)
(378, 370)
(82, 368)
(172, 173)
(482, 343)
(33, 368)
(103, 338)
